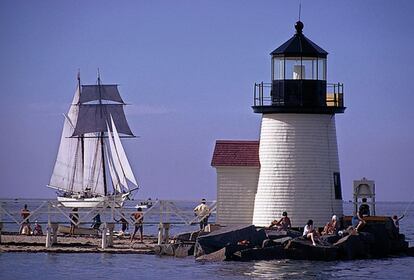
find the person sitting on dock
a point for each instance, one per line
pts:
(364, 208)
(74, 218)
(358, 221)
(25, 226)
(396, 221)
(203, 213)
(97, 221)
(331, 227)
(283, 224)
(138, 218)
(37, 229)
(310, 233)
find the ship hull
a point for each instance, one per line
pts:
(93, 202)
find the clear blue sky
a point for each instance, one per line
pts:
(188, 69)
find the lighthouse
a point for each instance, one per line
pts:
(298, 152)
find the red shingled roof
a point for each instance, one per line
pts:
(236, 153)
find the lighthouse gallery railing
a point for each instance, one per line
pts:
(334, 94)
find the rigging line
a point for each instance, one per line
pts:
(300, 8)
(408, 206)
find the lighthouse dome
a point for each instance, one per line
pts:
(299, 45)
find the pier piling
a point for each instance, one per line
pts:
(107, 235)
(51, 234)
(163, 233)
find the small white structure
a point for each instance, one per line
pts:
(237, 165)
(364, 188)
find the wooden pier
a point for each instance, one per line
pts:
(55, 220)
(77, 244)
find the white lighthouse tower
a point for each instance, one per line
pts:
(298, 151)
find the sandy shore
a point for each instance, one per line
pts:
(77, 244)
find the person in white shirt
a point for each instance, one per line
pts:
(203, 213)
(310, 233)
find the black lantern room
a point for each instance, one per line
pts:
(299, 70)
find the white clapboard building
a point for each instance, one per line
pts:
(299, 165)
(237, 165)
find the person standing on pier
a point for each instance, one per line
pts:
(124, 224)
(203, 213)
(97, 221)
(25, 226)
(74, 218)
(138, 218)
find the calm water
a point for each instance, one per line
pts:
(47, 266)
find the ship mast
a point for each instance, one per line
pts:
(82, 137)
(102, 139)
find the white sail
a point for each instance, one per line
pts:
(114, 176)
(67, 172)
(120, 173)
(122, 156)
(92, 167)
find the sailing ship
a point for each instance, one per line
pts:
(91, 166)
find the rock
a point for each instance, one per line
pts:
(282, 241)
(185, 236)
(352, 247)
(157, 249)
(331, 238)
(268, 243)
(165, 249)
(277, 234)
(228, 236)
(381, 246)
(410, 251)
(302, 249)
(184, 250)
(219, 255)
(267, 253)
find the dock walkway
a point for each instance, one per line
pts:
(76, 244)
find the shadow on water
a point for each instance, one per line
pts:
(117, 266)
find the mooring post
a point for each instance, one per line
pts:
(55, 227)
(48, 236)
(111, 227)
(163, 232)
(48, 228)
(160, 233)
(166, 232)
(104, 239)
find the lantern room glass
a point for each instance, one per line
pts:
(299, 68)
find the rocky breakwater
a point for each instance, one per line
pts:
(379, 238)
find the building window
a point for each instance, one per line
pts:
(337, 185)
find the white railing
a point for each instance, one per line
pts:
(51, 211)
